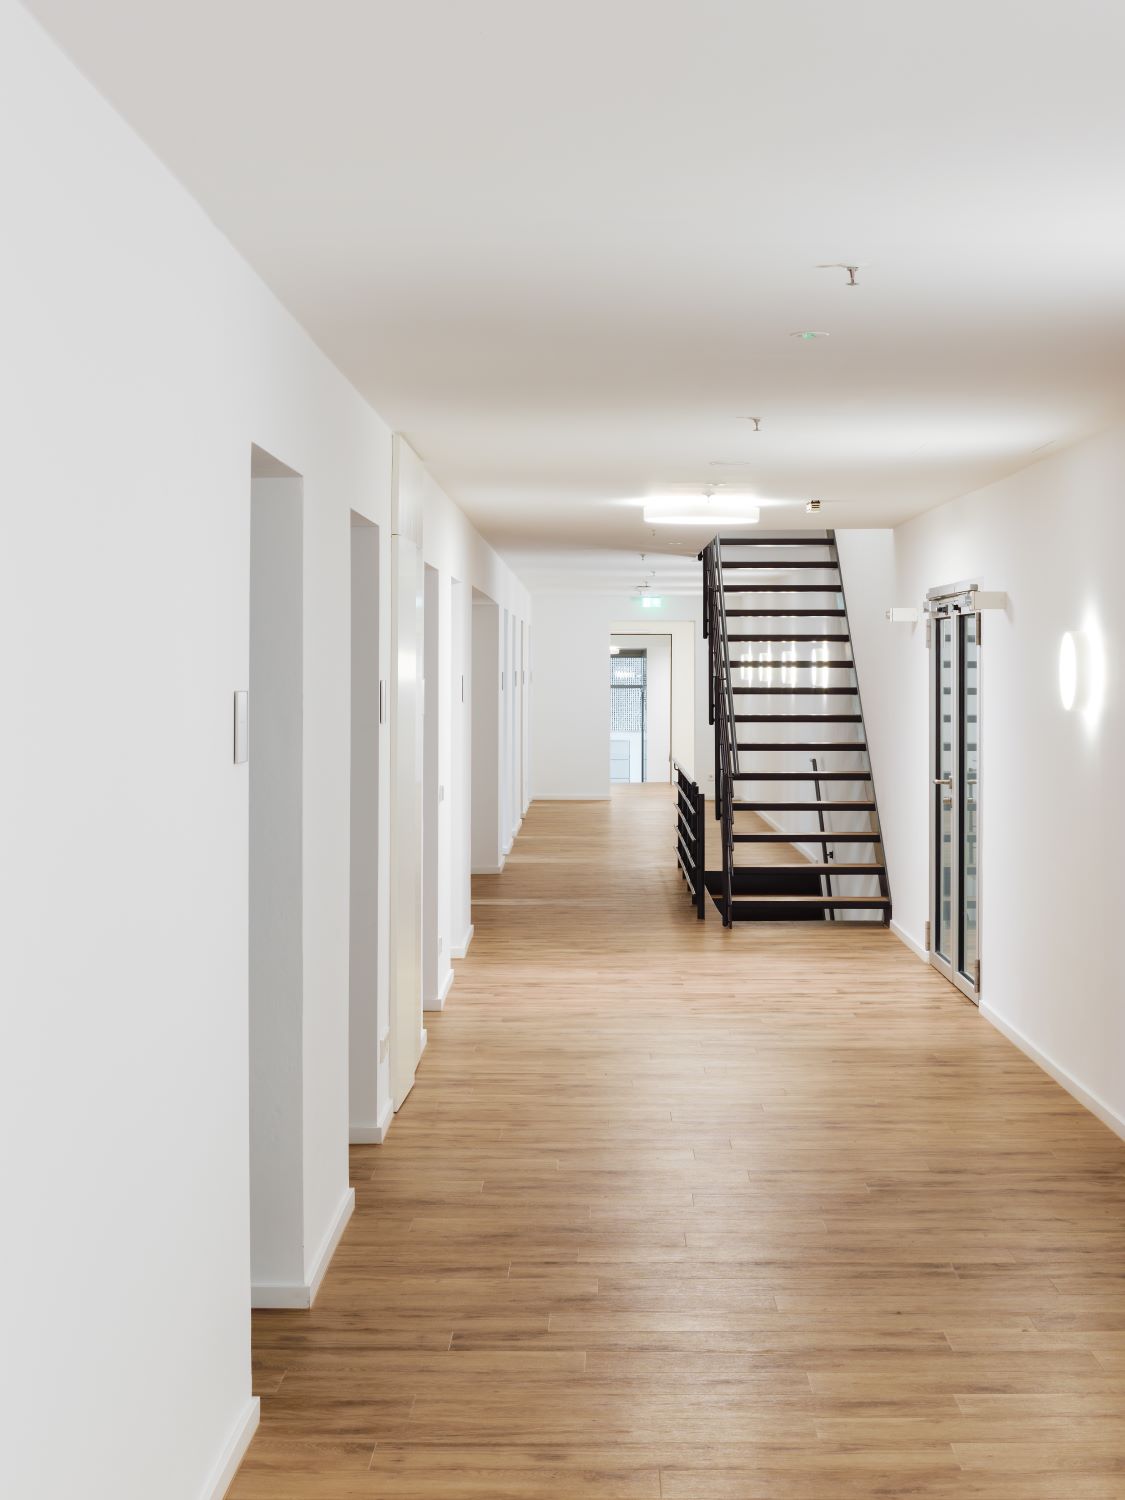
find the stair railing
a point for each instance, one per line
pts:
(825, 852)
(691, 837)
(723, 717)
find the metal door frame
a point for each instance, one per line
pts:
(953, 602)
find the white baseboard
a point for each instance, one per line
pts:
(1090, 1101)
(331, 1240)
(491, 869)
(571, 797)
(233, 1453)
(459, 950)
(438, 1002)
(373, 1135)
(507, 849)
(303, 1294)
(911, 942)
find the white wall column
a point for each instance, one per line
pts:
(406, 1036)
(368, 1106)
(487, 738)
(276, 900)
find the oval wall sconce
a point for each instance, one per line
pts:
(1073, 670)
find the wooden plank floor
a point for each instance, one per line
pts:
(674, 1212)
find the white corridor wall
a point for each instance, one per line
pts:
(570, 687)
(1052, 809)
(141, 359)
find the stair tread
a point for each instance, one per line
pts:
(783, 588)
(811, 900)
(802, 775)
(786, 614)
(821, 836)
(804, 692)
(838, 806)
(790, 636)
(822, 746)
(783, 564)
(777, 541)
(816, 867)
(798, 718)
(845, 664)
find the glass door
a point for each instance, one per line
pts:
(968, 955)
(954, 794)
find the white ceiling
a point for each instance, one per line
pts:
(561, 244)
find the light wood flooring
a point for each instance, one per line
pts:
(770, 1214)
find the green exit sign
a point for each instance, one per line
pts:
(650, 601)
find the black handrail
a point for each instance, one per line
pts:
(723, 716)
(691, 837)
(826, 853)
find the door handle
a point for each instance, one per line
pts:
(944, 781)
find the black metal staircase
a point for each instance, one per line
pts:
(772, 686)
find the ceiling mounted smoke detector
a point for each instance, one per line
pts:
(808, 333)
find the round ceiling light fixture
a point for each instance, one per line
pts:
(807, 334)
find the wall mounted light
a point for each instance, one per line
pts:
(1082, 671)
(1073, 670)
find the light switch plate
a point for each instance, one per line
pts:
(241, 727)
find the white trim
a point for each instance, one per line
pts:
(912, 943)
(423, 1039)
(233, 1453)
(438, 1002)
(1090, 1101)
(508, 847)
(297, 1294)
(460, 949)
(373, 1135)
(490, 869)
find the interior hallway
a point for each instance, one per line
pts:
(683, 1213)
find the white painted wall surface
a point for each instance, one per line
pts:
(276, 989)
(432, 808)
(139, 362)
(406, 751)
(658, 708)
(487, 793)
(1052, 814)
(570, 696)
(460, 778)
(367, 996)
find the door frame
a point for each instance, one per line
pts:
(953, 602)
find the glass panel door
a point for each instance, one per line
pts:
(967, 842)
(954, 798)
(942, 797)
